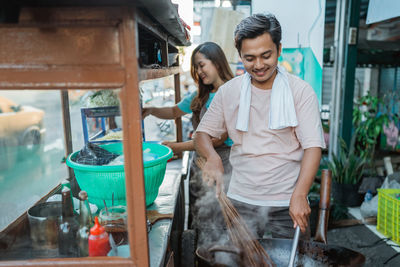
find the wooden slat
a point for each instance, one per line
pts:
(82, 15)
(56, 45)
(73, 262)
(63, 78)
(148, 74)
(131, 123)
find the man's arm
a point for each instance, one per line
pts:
(299, 208)
(212, 169)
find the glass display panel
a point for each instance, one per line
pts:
(43, 214)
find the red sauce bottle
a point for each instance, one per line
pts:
(99, 244)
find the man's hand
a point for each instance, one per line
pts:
(212, 172)
(299, 210)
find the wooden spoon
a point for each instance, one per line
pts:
(153, 216)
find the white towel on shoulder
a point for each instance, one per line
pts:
(282, 112)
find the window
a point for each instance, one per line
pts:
(31, 150)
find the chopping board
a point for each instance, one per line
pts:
(153, 216)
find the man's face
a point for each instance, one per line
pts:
(260, 57)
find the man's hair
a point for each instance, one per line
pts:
(256, 25)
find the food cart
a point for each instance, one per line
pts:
(63, 45)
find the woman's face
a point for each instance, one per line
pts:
(206, 70)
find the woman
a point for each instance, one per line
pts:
(209, 69)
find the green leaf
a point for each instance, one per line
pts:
(346, 167)
(378, 129)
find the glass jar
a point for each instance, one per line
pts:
(113, 219)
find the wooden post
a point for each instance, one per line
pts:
(67, 128)
(164, 53)
(178, 121)
(135, 194)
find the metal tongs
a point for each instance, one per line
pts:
(294, 246)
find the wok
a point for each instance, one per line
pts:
(309, 254)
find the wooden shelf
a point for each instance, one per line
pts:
(61, 78)
(148, 74)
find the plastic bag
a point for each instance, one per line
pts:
(369, 208)
(370, 184)
(92, 154)
(147, 156)
(117, 161)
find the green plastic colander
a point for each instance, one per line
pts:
(100, 182)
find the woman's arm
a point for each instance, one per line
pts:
(166, 113)
(179, 147)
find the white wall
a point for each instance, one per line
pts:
(302, 22)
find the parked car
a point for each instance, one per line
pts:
(21, 131)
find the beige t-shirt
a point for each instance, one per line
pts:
(266, 163)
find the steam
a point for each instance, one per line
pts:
(209, 220)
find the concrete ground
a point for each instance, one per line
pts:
(368, 241)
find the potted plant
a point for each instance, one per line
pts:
(369, 119)
(368, 126)
(349, 164)
(347, 170)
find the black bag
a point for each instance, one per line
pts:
(92, 154)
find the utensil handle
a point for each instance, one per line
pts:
(324, 206)
(325, 190)
(294, 246)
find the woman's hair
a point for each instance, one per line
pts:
(256, 25)
(214, 53)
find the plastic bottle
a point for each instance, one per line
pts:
(99, 244)
(65, 183)
(85, 223)
(369, 207)
(368, 196)
(68, 226)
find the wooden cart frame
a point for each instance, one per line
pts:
(91, 48)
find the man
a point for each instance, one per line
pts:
(274, 121)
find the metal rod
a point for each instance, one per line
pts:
(294, 246)
(335, 109)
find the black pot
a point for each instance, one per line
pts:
(347, 194)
